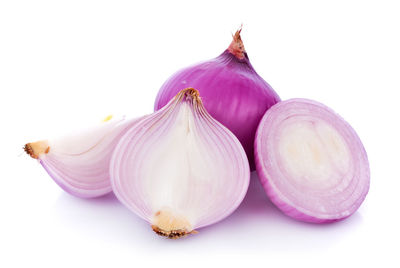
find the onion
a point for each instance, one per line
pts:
(79, 162)
(232, 92)
(179, 169)
(310, 161)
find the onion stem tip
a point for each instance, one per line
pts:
(236, 47)
(34, 149)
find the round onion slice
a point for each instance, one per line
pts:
(179, 169)
(311, 162)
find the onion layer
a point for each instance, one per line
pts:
(179, 169)
(79, 163)
(311, 162)
(232, 92)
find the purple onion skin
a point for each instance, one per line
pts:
(232, 92)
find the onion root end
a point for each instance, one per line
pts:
(171, 226)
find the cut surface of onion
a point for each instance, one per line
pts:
(311, 162)
(179, 169)
(79, 162)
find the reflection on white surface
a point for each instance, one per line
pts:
(257, 225)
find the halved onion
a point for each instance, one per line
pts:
(180, 169)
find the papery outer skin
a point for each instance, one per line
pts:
(232, 92)
(276, 196)
(138, 206)
(102, 184)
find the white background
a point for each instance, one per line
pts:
(65, 63)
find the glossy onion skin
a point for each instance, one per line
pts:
(232, 92)
(353, 187)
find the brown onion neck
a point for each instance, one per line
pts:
(189, 94)
(236, 47)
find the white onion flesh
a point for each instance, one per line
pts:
(179, 169)
(312, 151)
(79, 162)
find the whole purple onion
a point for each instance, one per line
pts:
(231, 90)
